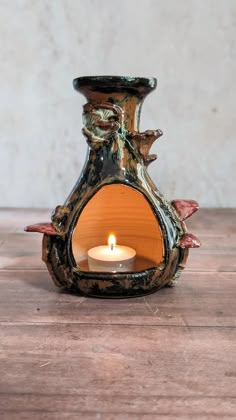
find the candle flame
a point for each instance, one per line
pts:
(111, 241)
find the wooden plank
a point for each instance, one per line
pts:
(216, 221)
(207, 262)
(170, 355)
(73, 407)
(221, 220)
(198, 299)
(116, 368)
(215, 228)
(14, 220)
(23, 251)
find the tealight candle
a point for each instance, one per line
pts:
(111, 257)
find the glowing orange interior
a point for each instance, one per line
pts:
(126, 213)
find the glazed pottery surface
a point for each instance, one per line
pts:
(115, 190)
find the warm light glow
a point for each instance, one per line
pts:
(111, 241)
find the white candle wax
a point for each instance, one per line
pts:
(111, 258)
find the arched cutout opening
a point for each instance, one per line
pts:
(124, 211)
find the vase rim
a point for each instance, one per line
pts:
(136, 85)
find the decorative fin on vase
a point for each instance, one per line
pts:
(46, 228)
(185, 208)
(189, 240)
(144, 141)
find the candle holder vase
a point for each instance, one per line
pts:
(116, 194)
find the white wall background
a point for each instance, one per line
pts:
(189, 45)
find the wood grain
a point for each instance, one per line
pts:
(73, 407)
(24, 251)
(105, 360)
(170, 355)
(115, 368)
(199, 299)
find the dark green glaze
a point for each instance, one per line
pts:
(118, 153)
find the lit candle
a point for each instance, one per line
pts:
(111, 257)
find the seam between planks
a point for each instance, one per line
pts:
(164, 397)
(51, 323)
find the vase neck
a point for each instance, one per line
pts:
(127, 106)
(124, 94)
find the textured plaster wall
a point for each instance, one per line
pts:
(189, 45)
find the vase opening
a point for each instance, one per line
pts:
(125, 212)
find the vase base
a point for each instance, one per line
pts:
(118, 285)
(121, 294)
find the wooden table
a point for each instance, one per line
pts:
(170, 355)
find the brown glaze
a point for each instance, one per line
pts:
(118, 155)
